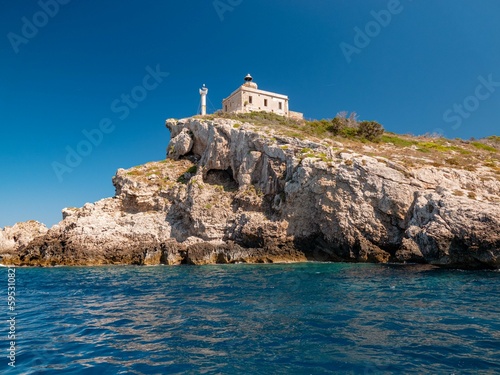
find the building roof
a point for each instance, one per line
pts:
(257, 91)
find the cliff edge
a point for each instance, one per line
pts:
(235, 191)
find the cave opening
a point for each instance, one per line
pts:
(221, 177)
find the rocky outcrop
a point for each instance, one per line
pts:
(20, 235)
(231, 192)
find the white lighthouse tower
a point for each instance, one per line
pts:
(203, 94)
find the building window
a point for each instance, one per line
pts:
(226, 107)
(281, 105)
(250, 99)
(265, 102)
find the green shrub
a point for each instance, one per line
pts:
(318, 127)
(192, 169)
(338, 124)
(370, 130)
(349, 133)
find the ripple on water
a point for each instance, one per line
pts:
(303, 318)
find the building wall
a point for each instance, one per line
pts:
(248, 99)
(234, 103)
(256, 101)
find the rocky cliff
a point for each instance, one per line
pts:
(232, 191)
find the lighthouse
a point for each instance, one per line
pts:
(203, 95)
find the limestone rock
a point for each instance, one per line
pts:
(180, 145)
(19, 235)
(453, 234)
(231, 192)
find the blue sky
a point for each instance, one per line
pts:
(68, 67)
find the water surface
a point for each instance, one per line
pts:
(256, 319)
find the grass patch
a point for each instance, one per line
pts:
(439, 147)
(453, 161)
(294, 135)
(470, 168)
(257, 118)
(431, 146)
(397, 141)
(494, 138)
(324, 157)
(482, 146)
(135, 172)
(185, 176)
(440, 152)
(490, 163)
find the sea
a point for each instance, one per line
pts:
(307, 318)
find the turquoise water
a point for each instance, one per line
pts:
(255, 319)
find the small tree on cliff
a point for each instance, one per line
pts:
(343, 121)
(337, 126)
(370, 130)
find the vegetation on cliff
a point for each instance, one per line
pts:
(370, 138)
(262, 188)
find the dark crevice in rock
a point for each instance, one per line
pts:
(223, 178)
(191, 156)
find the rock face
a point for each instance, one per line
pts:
(231, 192)
(19, 235)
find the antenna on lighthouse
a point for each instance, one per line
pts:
(203, 95)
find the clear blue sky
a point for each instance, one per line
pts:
(420, 61)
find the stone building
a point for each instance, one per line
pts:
(248, 98)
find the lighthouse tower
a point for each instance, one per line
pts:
(203, 95)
